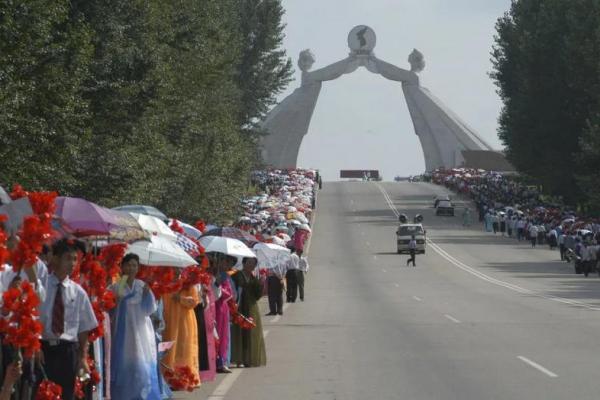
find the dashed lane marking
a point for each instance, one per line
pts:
(451, 318)
(538, 367)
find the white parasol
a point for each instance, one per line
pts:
(160, 252)
(225, 245)
(155, 226)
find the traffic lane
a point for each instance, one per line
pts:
(353, 339)
(516, 262)
(424, 319)
(530, 323)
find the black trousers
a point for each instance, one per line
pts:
(587, 267)
(60, 364)
(300, 280)
(412, 258)
(563, 251)
(291, 278)
(275, 292)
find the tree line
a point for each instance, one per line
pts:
(138, 101)
(546, 61)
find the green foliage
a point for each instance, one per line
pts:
(264, 69)
(546, 68)
(44, 58)
(136, 101)
(588, 161)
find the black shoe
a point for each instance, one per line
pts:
(270, 313)
(224, 370)
(280, 312)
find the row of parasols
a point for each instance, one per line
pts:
(148, 236)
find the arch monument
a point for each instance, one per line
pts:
(443, 135)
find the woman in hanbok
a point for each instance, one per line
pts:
(220, 265)
(134, 373)
(182, 329)
(248, 345)
(205, 317)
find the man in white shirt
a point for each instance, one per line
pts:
(275, 280)
(291, 277)
(533, 234)
(67, 318)
(303, 268)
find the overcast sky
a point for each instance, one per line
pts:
(361, 120)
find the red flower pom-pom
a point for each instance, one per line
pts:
(18, 192)
(200, 225)
(176, 227)
(48, 390)
(22, 328)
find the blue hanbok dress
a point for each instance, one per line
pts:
(134, 372)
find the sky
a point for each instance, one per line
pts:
(361, 120)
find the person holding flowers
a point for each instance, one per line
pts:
(248, 345)
(67, 318)
(182, 329)
(134, 373)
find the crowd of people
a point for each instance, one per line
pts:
(509, 208)
(87, 318)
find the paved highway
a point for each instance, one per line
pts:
(480, 317)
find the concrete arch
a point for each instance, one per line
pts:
(443, 135)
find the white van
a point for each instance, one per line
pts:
(405, 232)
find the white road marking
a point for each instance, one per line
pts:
(538, 367)
(225, 385)
(375, 257)
(395, 284)
(485, 277)
(417, 298)
(451, 318)
(265, 333)
(384, 270)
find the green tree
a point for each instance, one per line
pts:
(122, 159)
(545, 61)
(588, 161)
(44, 58)
(264, 69)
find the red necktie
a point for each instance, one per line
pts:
(58, 313)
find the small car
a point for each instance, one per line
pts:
(444, 207)
(437, 200)
(405, 233)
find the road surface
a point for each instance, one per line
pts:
(480, 317)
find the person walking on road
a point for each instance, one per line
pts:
(412, 248)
